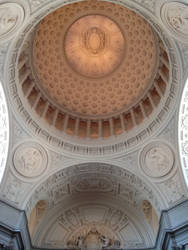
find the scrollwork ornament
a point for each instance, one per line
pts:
(30, 159)
(157, 159)
(175, 17)
(11, 18)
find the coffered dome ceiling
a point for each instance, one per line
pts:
(91, 75)
(94, 65)
(93, 78)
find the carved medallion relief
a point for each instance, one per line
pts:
(30, 159)
(11, 18)
(156, 159)
(175, 17)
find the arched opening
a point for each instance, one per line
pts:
(92, 201)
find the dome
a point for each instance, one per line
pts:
(94, 75)
(94, 66)
(93, 89)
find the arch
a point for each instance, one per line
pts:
(40, 192)
(110, 218)
(4, 132)
(97, 183)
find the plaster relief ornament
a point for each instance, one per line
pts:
(185, 122)
(11, 18)
(175, 16)
(157, 159)
(185, 147)
(94, 240)
(30, 159)
(4, 132)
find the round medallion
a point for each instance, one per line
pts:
(11, 17)
(94, 46)
(157, 159)
(175, 16)
(30, 159)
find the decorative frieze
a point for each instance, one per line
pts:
(94, 178)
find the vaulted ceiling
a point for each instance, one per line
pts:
(93, 92)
